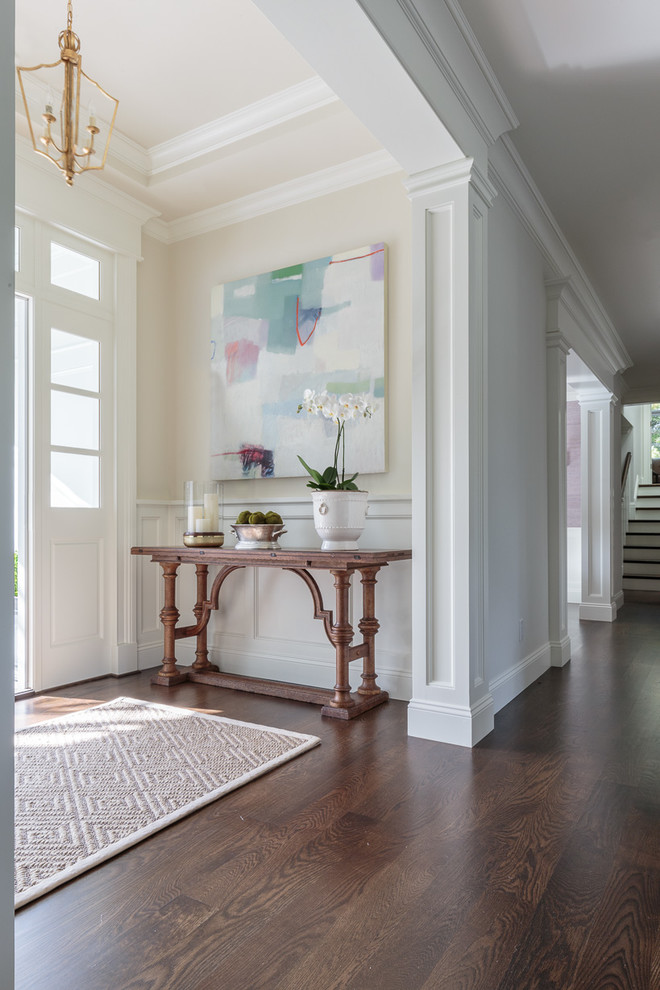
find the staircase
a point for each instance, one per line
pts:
(641, 551)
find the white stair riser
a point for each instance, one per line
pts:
(636, 568)
(645, 540)
(641, 553)
(643, 526)
(641, 584)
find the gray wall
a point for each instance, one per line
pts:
(517, 465)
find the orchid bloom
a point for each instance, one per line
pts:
(339, 409)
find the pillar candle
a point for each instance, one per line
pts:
(211, 511)
(195, 512)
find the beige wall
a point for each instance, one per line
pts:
(156, 417)
(175, 286)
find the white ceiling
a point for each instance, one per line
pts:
(583, 77)
(216, 105)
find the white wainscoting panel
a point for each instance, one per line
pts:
(152, 529)
(265, 624)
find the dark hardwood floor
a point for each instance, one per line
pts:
(385, 862)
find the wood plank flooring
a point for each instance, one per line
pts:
(379, 862)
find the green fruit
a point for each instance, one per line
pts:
(243, 517)
(256, 518)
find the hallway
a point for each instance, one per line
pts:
(383, 861)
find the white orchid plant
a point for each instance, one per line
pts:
(340, 409)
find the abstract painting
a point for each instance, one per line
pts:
(319, 325)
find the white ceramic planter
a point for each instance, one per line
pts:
(339, 518)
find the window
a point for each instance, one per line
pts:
(75, 421)
(74, 271)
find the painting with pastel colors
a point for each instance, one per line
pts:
(316, 325)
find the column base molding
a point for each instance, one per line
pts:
(598, 613)
(560, 652)
(451, 724)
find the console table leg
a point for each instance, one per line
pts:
(201, 653)
(341, 635)
(169, 616)
(369, 626)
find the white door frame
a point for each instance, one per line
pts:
(104, 218)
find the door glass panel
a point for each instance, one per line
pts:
(74, 361)
(74, 420)
(74, 481)
(74, 271)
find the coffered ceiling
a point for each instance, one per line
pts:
(214, 104)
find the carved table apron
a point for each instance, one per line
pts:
(337, 703)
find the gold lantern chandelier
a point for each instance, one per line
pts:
(62, 135)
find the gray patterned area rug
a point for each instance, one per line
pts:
(93, 783)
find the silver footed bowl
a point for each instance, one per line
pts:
(258, 535)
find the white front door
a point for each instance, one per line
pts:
(72, 601)
(75, 484)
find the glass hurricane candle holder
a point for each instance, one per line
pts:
(203, 507)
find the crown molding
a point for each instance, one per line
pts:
(594, 391)
(451, 74)
(190, 150)
(93, 210)
(264, 115)
(640, 394)
(91, 184)
(589, 318)
(455, 173)
(484, 65)
(286, 194)
(490, 121)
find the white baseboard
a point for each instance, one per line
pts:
(319, 673)
(150, 655)
(514, 680)
(126, 658)
(451, 723)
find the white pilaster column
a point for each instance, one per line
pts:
(124, 648)
(600, 505)
(451, 700)
(557, 349)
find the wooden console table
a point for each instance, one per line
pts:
(342, 564)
